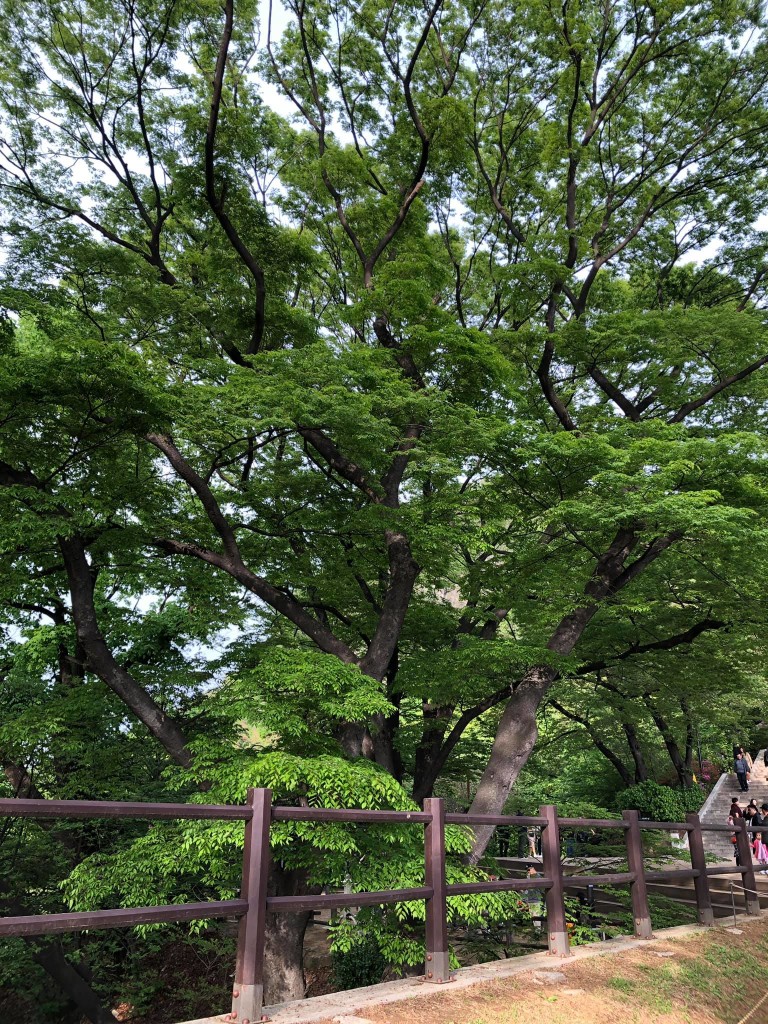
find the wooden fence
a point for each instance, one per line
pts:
(258, 814)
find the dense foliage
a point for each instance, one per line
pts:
(378, 382)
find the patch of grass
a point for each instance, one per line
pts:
(622, 984)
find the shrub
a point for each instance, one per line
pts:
(358, 966)
(660, 803)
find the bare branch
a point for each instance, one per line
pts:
(216, 198)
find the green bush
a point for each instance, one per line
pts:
(358, 966)
(660, 803)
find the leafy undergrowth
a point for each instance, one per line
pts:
(714, 977)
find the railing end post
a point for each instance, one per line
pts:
(248, 988)
(641, 915)
(554, 898)
(437, 968)
(699, 863)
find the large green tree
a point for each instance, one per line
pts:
(417, 375)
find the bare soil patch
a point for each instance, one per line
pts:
(713, 977)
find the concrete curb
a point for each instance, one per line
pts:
(355, 1001)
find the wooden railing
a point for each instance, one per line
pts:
(258, 814)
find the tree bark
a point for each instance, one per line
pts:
(284, 947)
(19, 780)
(684, 775)
(424, 780)
(101, 661)
(641, 769)
(690, 736)
(517, 731)
(435, 721)
(385, 752)
(515, 738)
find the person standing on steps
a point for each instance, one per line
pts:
(747, 757)
(741, 769)
(735, 811)
(735, 839)
(759, 818)
(765, 757)
(749, 812)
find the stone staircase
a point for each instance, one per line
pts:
(717, 805)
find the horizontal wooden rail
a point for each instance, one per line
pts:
(344, 815)
(51, 924)
(593, 822)
(494, 819)
(19, 808)
(610, 878)
(663, 876)
(293, 904)
(498, 885)
(666, 826)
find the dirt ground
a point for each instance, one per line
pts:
(714, 977)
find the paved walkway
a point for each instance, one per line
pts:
(356, 1001)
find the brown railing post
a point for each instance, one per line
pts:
(748, 877)
(248, 990)
(699, 863)
(437, 968)
(552, 866)
(637, 887)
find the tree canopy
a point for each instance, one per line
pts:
(378, 375)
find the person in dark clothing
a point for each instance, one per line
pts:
(741, 768)
(735, 811)
(502, 834)
(765, 757)
(749, 812)
(732, 821)
(758, 818)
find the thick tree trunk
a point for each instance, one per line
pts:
(382, 731)
(385, 752)
(641, 769)
(515, 738)
(517, 730)
(19, 780)
(284, 947)
(435, 721)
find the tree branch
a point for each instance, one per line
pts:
(216, 199)
(709, 394)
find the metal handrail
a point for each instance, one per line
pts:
(744, 889)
